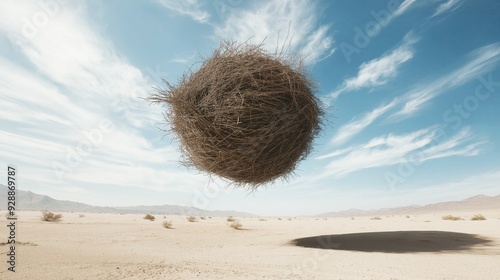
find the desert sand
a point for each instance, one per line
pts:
(126, 246)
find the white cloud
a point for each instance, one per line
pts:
(378, 71)
(404, 7)
(191, 8)
(392, 149)
(355, 126)
(448, 6)
(53, 117)
(288, 24)
(481, 60)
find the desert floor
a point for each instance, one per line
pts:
(114, 246)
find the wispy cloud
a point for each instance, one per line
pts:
(392, 149)
(355, 126)
(404, 7)
(448, 6)
(480, 61)
(81, 83)
(378, 71)
(291, 25)
(191, 8)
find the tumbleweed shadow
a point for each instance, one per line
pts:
(395, 241)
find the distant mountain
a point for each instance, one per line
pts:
(27, 200)
(478, 202)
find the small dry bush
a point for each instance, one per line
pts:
(231, 219)
(478, 217)
(375, 218)
(191, 219)
(236, 224)
(451, 218)
(262, 220)
(48, 216)
(149, 217)
(167, 224)
(81, 215)
(203, 218)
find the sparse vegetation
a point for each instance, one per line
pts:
(191, 219)
(407, 217)
(210, 217)
(262, 220)
(231, 219)
(375, 218)
(279, 219)
(81, 216)
(202, 217)
(478, 217)
(451, 218)
(236, 224)
(149, 217)
(167, 224)
(48, 216)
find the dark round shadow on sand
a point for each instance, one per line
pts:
(395, 241)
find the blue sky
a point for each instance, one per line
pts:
(412, 89)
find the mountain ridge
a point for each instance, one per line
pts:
(477, 202)
(28, 200)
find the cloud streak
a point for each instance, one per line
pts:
(291, 25)
(355, 126)
(392, 149)
(380, 70)
(480, 61)
(191, 8)
(448, 6)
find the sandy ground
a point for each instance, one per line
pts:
(114, 246)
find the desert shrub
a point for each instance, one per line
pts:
(149, 217)
(203, 218)
(451, 218)
(231, 219)
(262, 220)
(81, 216)
(191, 219)
(167, 224)
(48, 216)
(236, 224)
(375, 218)
(478, 217)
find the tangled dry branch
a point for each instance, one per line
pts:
(244, 115)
